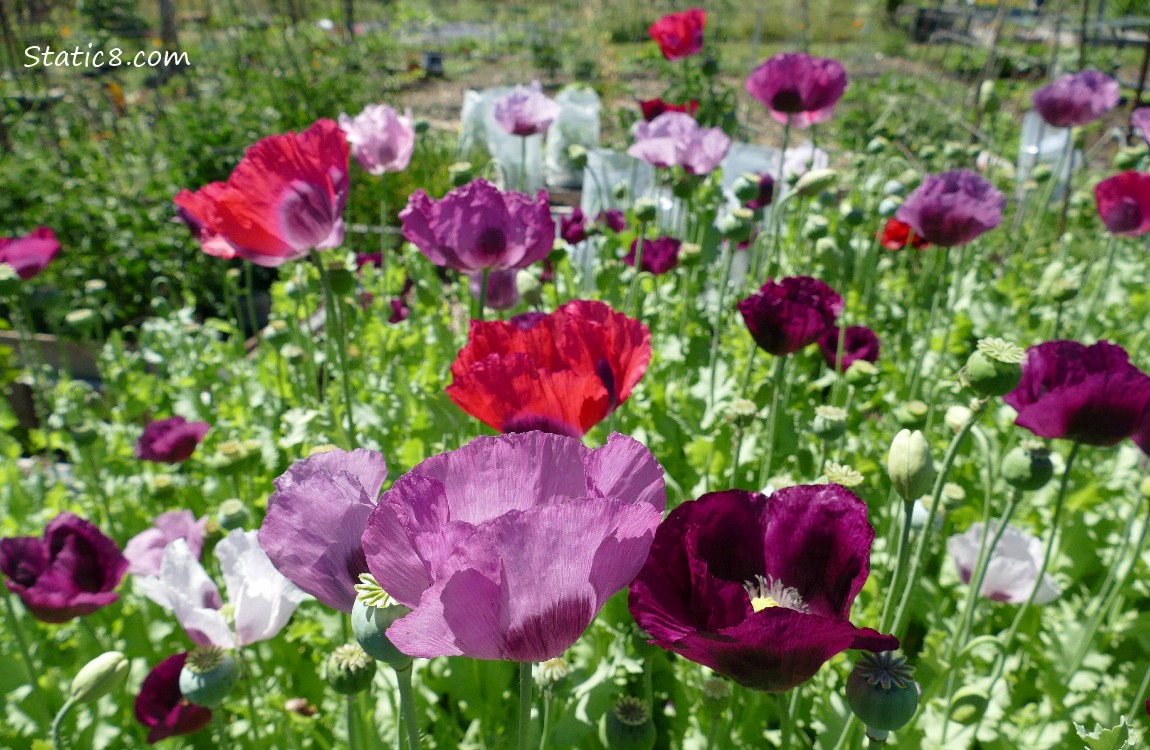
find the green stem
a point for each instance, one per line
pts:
(334, 316)
(352, 721)
(481, 301)
(730, 253)
(524, 702)
(776, 209)
(900, 561)
(1099, 290)
(221, 728)
(546, 722)
(773, 419)
(1136, 705)
(58, 740)
(407, 706)
(632, 291)
(25, 654)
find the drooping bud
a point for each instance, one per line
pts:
(995, 367)
(371, 615)
(349, 669)
(99, 677)
(209, 676)
(815, 181)
(909, 465)
(1028, 467)
(881, 691)
(628, 726)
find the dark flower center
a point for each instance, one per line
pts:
(528, 423)
(787, 100)
(491, 243)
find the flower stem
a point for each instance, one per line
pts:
(352, 720)
(25, 655)
(900, 561)
(221, 728)
(773, 419)
(58, 740)
(407, 706)
(546, 722)
(730, 253)
(632, 291)
(524, 702)
(340, 347)
(776, 209)
(481, 302)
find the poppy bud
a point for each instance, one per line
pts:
(988, 100)
(683, 185)
(746, 187)
(887, 207)
(877, 145)
(852, 215)
(737, 225)
(815, 227)
(233, 514)
(208, 676)
(371, 616)
(1063, 290)
(909, 465)
(1027, 467)
(99, 677)
(620, 191)
(577, 155)
(893, 188)
(350, 670)
(628, 726)
(421, 126)
(460, 173)
(952, 150)
(645, 209)
(1127, 158)
(995, 368)
(9, 280)
(815, 181)
(881, 691)
(957, 416)
(969, 704)
(1042, 172)
(861, 372)
(911, 415)
(830, 422)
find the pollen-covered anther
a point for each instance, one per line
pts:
(767, 591)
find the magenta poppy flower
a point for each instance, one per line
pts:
(145, 550)
(759, 588)
(1076, 99)
(680, 35)
(1088, 394)
(70, 572)
(30, 254)
(399, 311)
(363, 260)
(1124, 203)
(613, 219)
(652, 108)
(798, 89)
(508, 547)
(787, 315)
(315, 519)
(1140, 120)
(674, 139)
(380, 139)
(526, 111)
(171, 440)
(285, 198)
(659, 255)
(859, 342)
(162, 708)
(573, 227)
(952, 208)
(477, 226)
(502, 288)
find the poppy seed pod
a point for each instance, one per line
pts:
(909, 465)
(9, 280)
(209, 676)
(911, 415)
(645, 209)
(99, 677)
(881, 691)
(628, 726)
(1027, 467)
(746, 187)
(349, 669)
(995, 368)
(737, 225)
(369, 624)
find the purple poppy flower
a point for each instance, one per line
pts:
(380, 139)
(1140, 120)
(399, 311)
(659, 255)
(162, 708)
(1124, 203)
(1076, 99)
(171, 440)
(573, 227)
(526, 111)
(859, 342)
(528, 320)
(316, 517)
(797, 88)
(785, 316)
(70, 572)
(613, 219)
(145, 550)
(502, 288)
(1012, 569)
(508, 547)
(1088, 394)
(368, 259)
(952, 208)
(30, 254)
(476, 226)
(674, 139)
(759, 588)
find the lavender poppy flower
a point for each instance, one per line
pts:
(476, 226)
(70, 572)
(952, 208)
(1013, 567)
(30, 254)
(145, 550)
(162, 708)
(1140, 120)
(798, 89)
(502, 289)
(759, 588)
(1076, 99)
(659, 255)
(1124, 203)
(508, 547)
(260, 598)
(315, 519)
(380, 139)
(170, 440)
(859, 342)
(785, 316)
(674, 139)
(1088, 394)
(526, 111)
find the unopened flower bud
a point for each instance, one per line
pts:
(1041, 172)
(628, 726)
(815, 181)
(460, 173)
(995, 368)
(852, 215)
(683, 185)
(877, 145)
(911, 415)
(893, 188)
(371, 616)
(957, 416)
(861, 372)
(888, 206)
(99, 677)
(988, 100)
(830, 422)
(350, 670)
(815, 227)
(952, 150)
(233, 514)
(620, 191)
(1027, 467)
(881, 691)
(577, 155)
(208, 676)
(1127, 158)
(909, 465)
(737, 225)
(645, 209)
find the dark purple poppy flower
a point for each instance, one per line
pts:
(797, 88)
(1124, 203)
(30, 254)
(1140, 120)
(573, 227)
(785, 316)
(1076, 99)
(613, 219)
(952, 208)
(659, 255)
(502, 288)
(368, 259)
(399, 311)
(1088, 394)
(508, 547)
(70, 572)
(859, 342)
(477, 226)
(759, 588)
(315, 519)
(171, 440)
(162, 708)
(526, 111)
(766, 193)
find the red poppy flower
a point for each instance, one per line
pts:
(896, 234)
(30, 254)
(161, 706)
(563, 373)
(680, 35)
(652, 108)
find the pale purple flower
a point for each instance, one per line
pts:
(526, 111)
(803, 158)
(1140, 119)
(381, 140)
(1076, 99)
(952, 208)
(674, 139)
(145, 550)
(1013, 567)
(798, 89)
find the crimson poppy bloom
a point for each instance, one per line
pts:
(162, 708)
(1088, 394)
(613, 219)
(70, 572)
(787, 315)
(659, 255)
(508, 547)
(798, 89)
(30, 254)
(652, 108)
(284, 198)
(952, 208)
(1124, 203)
(562, 373)
(896, 234)
(680, 35)
(859, 342)
(1076, 99)
(171, 440)
(759, 588)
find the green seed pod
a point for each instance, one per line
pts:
(460, 173)
(1042, 172)
(888, 206)
(1027, 467)
(909, 465)
(746, 187)
(100, 677)
(830, 422)
(861, 373)
(911, 415)
(815, 181)
(1127, 158)
(85, 433)
(276, 332)
(852, 215)
(233, 514)
(369, 623)
(815, 227)
(877, 145)
(209, 676)
(895, 188)
(349, 669)
(952, 150)
(881, 691)
(577, 155)
(628, 726)
(969, 704)
(988, 99)
(737, 225)
(620, 191)
(9, 280)
(683, 185)
(645, 209)
(995, 368)
(710, 67)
